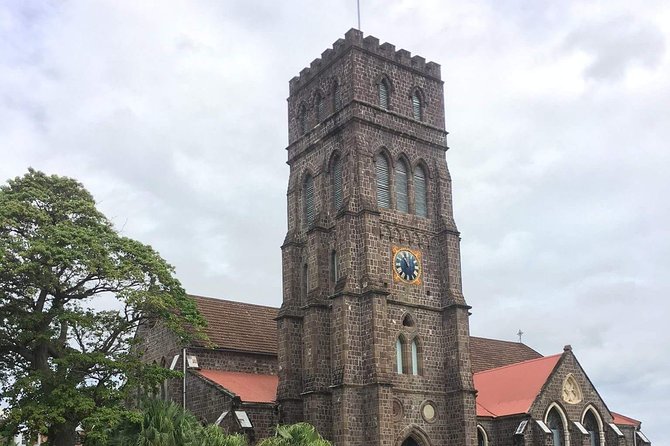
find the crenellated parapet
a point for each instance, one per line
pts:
(354, 38)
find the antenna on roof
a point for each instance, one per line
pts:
(358, 10)
(519, 334)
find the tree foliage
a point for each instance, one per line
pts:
(161, 423)
(64, 360)
(299, 434)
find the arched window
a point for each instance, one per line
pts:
(555, 423)
(399, 360)
(337, 100)
(593, 428)
(402, 203)
(308, 200)
(417, 106)
(420, 201)
(383, 181)
(334, 271)
(319, 105)
(336, 178)
(415, 357)
(482, 438)
(383, 90)
(302, 120)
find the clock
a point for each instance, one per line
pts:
(406, 265)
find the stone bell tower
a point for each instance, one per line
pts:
(373, 329)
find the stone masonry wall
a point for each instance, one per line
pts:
(347, 327)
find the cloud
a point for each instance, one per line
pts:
(616, 45)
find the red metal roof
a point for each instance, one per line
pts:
(624, 420)
(250, 387)
(512, 389)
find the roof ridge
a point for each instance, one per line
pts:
(500, 340)
(197, 296)
(518, 363)
(231, 372)
(507, 342)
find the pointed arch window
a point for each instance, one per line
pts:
(555, 423)
(302, 120)
(420, 199)
(415, 357)
(399, 360)
(383, 90)
(482, 438)
(336, 177)
(337, 100)
(308, 200)
(383, 181)
(319, 104)
(593, 428)
(417, 106)
(402, 203)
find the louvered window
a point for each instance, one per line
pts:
(383, 95)
(383, 183)
(302, 120)
(398, 355)
(337, 100)
(337, 183)
(415, 358)
(401, 187)
(308, 198)
(320, 107)
(417, 106)
(420, 202)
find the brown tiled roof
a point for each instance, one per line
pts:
(488, 354)
(252, 328)
(239, 326)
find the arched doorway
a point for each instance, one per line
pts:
(411, 441)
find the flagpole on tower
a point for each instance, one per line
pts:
(358, 10)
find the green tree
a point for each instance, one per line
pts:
(63, 360)
(299, 434)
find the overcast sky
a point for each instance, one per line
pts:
(173, 114)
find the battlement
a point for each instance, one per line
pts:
(354, 38)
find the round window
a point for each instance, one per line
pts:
(428, 411)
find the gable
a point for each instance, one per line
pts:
(570, 388)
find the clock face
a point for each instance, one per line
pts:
(406, 266)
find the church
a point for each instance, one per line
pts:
(372, 343)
